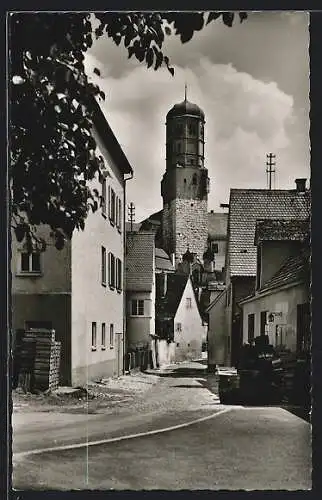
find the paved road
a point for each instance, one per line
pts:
(244, 448)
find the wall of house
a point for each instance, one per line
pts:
(53, 308)
(55, 275)
(273, 255)
(217, 334)
(91, 301)
(139, 328)
(45, 296)
(284, 301)
(166, 352)
(189, 340)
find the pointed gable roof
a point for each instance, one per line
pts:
(166, 306)
(247, 205)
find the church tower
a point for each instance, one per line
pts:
(185, 184)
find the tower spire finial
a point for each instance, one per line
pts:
(185, 91)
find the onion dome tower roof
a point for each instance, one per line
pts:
(186, 108)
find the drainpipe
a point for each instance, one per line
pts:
(124, 276)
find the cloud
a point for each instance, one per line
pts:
(252, 83)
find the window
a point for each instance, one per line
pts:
(116, 211)
(111, 270)
(103, 265)
(119, 224)
(178, 327)
(263, 322)
(112, 218)
(214, 247)
(94, 335)
(188, 303)
(111, 335)
(192, 129)
(137, 307)
(109, 202)
(103, 339)
(104, 196)
(118, 274)
(251, 326)
(30, 262)
(194, 179)
(178, 344)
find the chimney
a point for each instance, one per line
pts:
(300, 185)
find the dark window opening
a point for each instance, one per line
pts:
(263, 322)
(194, 179)
(251, 327)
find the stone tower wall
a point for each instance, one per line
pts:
(191, 226)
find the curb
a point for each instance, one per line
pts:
(120, 438)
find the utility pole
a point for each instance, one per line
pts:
(269, 168)
(131, 214)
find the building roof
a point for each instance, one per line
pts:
(247, 205)
(186, 108)
(163, 261)
(107, 135)
(136, 226)
(139, 269)
(295, 269)
(166, 306)
(281, 230)
(154, 220)
(217, 225)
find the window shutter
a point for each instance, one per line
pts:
(116, 211)
(120, 214)
(109, 202)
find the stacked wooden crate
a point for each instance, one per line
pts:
(26, 355)
(47, 359)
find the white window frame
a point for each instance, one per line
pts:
(135, 311)
(30, 271)
(94, 336)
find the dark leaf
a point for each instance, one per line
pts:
(149, 57)
(20, 232)
(167, 30)
(242, 16)
(228, 18)
(97, 71)
(213, 16)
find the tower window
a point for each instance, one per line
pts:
(179, 128)
(192, 129)
(185, 181)
(194, 179)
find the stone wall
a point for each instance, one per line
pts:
(191, 226)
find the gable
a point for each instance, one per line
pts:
(247, 205)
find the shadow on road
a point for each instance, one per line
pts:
(211, 382)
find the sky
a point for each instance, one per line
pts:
(252, 82)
